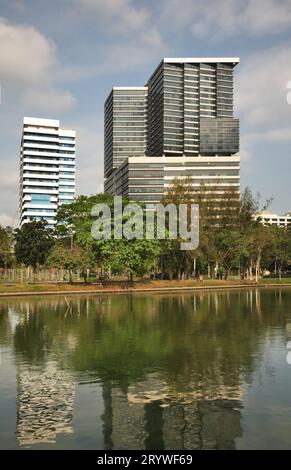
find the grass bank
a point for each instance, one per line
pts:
(276, 281)
(15, 289)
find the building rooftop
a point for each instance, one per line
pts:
(266, 213)
(41, 122)
(129, 88)
(194, 60)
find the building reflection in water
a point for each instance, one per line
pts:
(171, 368)
(45, 404)
(45, 393)
(148, 417)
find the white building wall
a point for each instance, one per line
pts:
(216, 174)
(269, 218)
(47, 169)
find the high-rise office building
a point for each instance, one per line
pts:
(190, 132)
(47, 169)
(190, 108)
(125, 126)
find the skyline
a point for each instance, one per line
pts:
(119, 43)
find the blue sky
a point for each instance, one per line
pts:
(59, 60)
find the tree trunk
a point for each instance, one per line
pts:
(257, 268)
(194, 266)
(251, 270)
(216, 269)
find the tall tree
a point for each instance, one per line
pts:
(230, 248)
(176, 262)
(131, 256)
(278, 248)
(33, 242)
(72, 259)
(257, 243)
(255, 236)
(6, 246)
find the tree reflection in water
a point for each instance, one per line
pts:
(171, 366)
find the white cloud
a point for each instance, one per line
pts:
(119, 15)
(251, 139)
(8, 177)
(279, 135)
(28, 65)
(47, 100)
(26, 55)
(125, 19)
(261, 101)
(123, 57)
(89, 156)
(261, 93)
(245, 154)
(9, 184)
(274, 135)
(6, 220)
(152, 38)
(267, 16)
(118, 57)
(223, 18)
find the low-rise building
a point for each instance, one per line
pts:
(269, 218)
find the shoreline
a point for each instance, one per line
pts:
(133, 290)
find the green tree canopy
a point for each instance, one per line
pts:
(71, 259)
(33, 242)
(131, 256)
(278, 248)
(6, 246)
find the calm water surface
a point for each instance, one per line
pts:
(204, 370)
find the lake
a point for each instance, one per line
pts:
(204, 370)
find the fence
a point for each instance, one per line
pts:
(42, 275)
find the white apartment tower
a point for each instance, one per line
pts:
(47, 169)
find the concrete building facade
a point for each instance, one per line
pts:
(47, 169)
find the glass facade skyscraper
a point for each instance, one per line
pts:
(125, 125)
(47, 169)
(183, 96)
(189, 132)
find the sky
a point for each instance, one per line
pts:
(59, 60)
